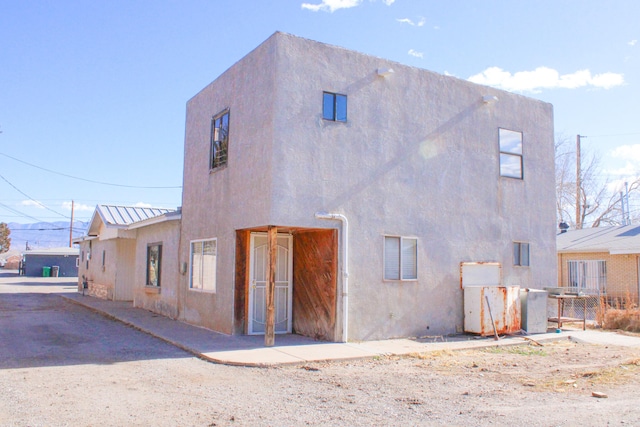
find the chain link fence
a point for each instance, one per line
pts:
(593, 302)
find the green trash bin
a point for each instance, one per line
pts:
(46, 271)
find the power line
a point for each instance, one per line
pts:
(607, 136)
(22, 214)
(85, 179)
(31, 198)
(49, 229)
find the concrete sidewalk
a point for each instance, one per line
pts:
(248, 350)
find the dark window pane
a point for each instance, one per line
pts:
(328, 106)
(153, 265)
(219, 140)
(524, 254)
(225, 121)
(341, 108)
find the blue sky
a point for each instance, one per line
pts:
(94, 92)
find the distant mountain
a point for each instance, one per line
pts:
(44, 234)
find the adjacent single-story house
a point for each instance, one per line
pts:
(52, 262)
(12, 260)
(601, 261)
(113, 254)
(336, 195)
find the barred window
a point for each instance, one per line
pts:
(219, 140)
(588, 275)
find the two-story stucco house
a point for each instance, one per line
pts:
(363, 183)
(379, 179)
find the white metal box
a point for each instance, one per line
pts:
(482, 303)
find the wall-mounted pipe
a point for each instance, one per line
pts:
(345, 268)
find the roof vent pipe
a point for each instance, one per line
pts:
(345, 267)
(563, 227)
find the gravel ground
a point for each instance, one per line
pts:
(550, 385)
(63, 365)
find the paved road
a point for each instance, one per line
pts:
(42, 329)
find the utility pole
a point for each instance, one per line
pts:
(627, 219)
(71, 227)
(578, 184)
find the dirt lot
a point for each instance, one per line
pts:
(551, 385)
(64, 365)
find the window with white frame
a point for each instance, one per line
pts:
(521, 254)
(589, 276)
(219, 140)
(400, 258)
(334, 107)
(203, 265)
(510, 153)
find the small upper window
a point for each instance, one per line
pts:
(510, 153)
(219, 140)
(521, 254)
(400, 258)
(334, 107)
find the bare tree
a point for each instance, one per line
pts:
(599, 203)
(5, 240)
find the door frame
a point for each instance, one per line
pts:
(250, 299)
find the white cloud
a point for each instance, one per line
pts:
(331, 5)
(388, 2)
(32, 203)
(618, 185)
(628, 152)
(78, 207)
(628, 170)
(632, 42)
(143, 205)
(419, 23)
(416, 53)
(545, 78)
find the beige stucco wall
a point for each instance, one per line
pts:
(419, 157)
(216, 204)
(162, 300)
(105, 278)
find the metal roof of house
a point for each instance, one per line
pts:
(53, 251)
(123, 216)
(624, 239)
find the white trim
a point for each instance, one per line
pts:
(384, 259)
(155, 220)
(190, 282)
(289, 238)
